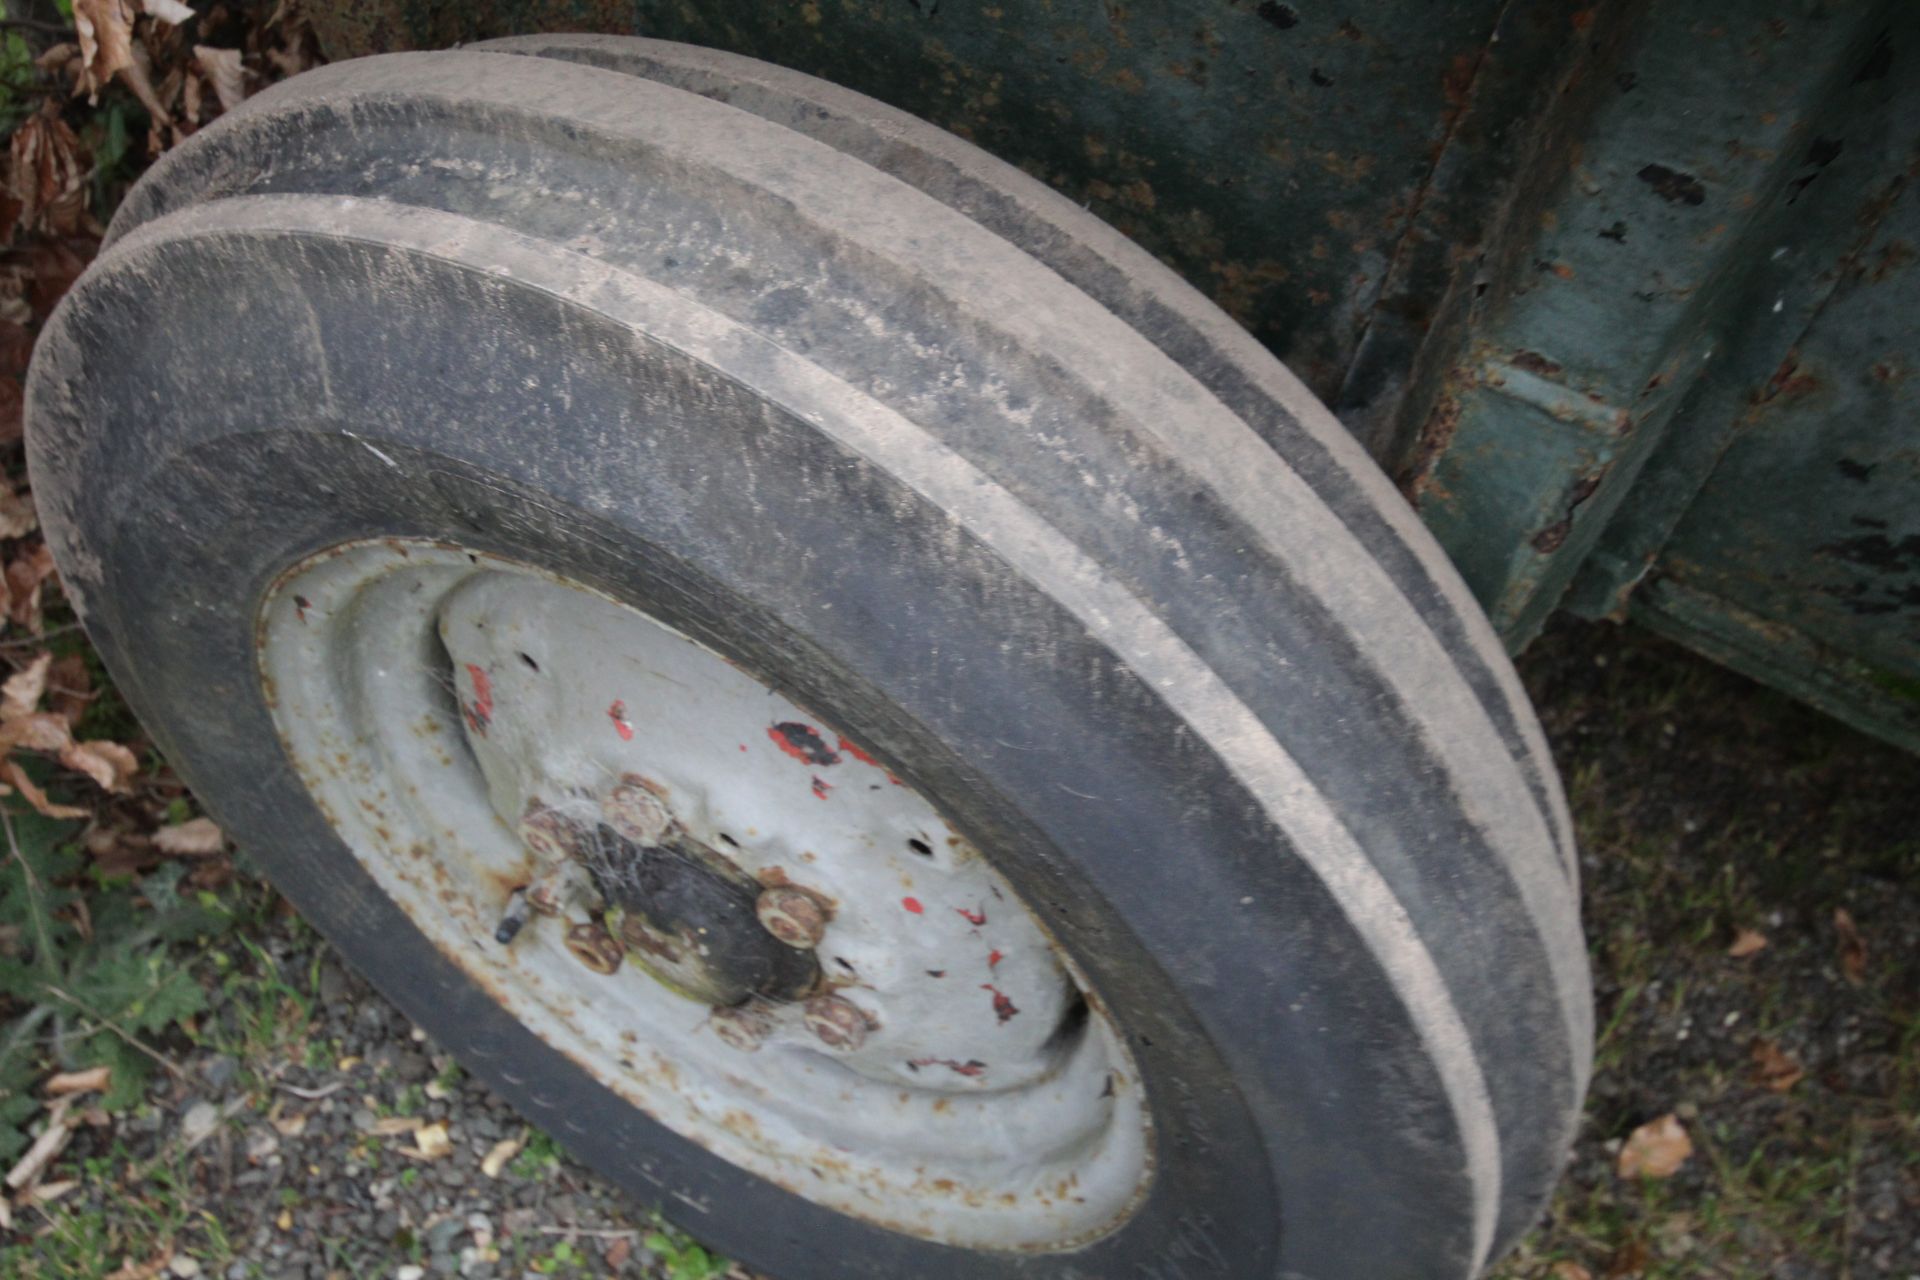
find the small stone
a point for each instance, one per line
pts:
(410, 1272)
(201, 1119)
(183, 1266)
(334, 987)
(261, 1143)
(441, 1235)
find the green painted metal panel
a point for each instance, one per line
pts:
(1809, 524)
(1641, 270)
(1617, 290)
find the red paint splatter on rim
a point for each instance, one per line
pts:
(480, 714)
(820, 788)
(994, 959)
(618, 714)
(974, 918)
(1003, 1008)
(857, 753)
(913, 905)
(482, 691)
(803, 742)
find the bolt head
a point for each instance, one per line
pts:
(795, 916)
(551, 835)
(743, 1028)
(595, 948)
(837, 1023)
(634, 809)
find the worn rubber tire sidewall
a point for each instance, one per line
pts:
(228, 499)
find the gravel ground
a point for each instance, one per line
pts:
(298, 1133)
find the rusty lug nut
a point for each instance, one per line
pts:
(595, 948)
(634, 808)
(795, 916)
(550, 834)
(556, 887)
(836, 1022)
(743, 1028)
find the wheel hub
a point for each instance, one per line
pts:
(732, 913)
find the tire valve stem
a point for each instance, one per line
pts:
(519, 908)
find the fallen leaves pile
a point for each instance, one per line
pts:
(103, 860)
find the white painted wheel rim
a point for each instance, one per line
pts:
(422, 690)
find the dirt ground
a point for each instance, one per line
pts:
(305, 1130)
(1715, 816)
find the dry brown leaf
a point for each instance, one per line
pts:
(168, 11)
(194, 838)
(12, 772)
(29, 570)
(139, 78)
(617, 1251)
(1570, 1271)
(430, 1142)
(17, 516)
(38, 731)
(47, 173)
(224, 74)
(57, 56)
(1853, 948)
(48, 1192)
(1774, 1067)
(107, 763)
(20, 694)
(119, 851)
(500, 1153)
(48, 268)
(105, 28)
(1747, 942)
(1656, 1149)
(291, 1125)
(13, 402)
(190, 94)
(92, 1080)
(1630, 1259)
(70, 687)
(394, 1126)
(49, 1144)
(131, 1270)
(16, 347)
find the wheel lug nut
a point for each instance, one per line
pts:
(594, 947)
(556, 888)
(634, 809)
(742, 1028)
(550, 834)
(836, 1022)
(795, 916)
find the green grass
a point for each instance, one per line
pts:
(155, 1213)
